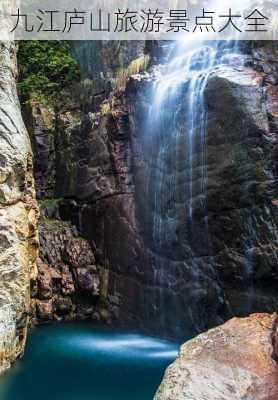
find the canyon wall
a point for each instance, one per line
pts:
(216, 257)
(18, 215)
(102, 166)
(74, 169)
(96, 173)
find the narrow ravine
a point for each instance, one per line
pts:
(155, 174)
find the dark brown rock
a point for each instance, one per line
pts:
(63, 306)
(44, 309)
(67, 280)
(88, 280)
(219, 262)
(68, 283)
(44, 281)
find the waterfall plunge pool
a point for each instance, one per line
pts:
(82, 362)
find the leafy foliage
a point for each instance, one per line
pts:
(46, 69)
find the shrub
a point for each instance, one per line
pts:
(46, 69)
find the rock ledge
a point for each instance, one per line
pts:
(233, 361)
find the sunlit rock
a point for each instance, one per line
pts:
(231, 362)
(18, 216)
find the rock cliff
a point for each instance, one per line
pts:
(221, 260)
(103, 167)
(18, 215)
(82, 164)
(233, 361)
(68, 283)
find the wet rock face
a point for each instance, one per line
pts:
(68, 283)
(100, 63)
(221, 260)
(93, 158)
(94, 184)
(232, 361)
(103, 208)
(40, 122)
(243, 217)
(18, 216)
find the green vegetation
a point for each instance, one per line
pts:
(46, 69)
(55, 225)
(52, 224)
(46, 203)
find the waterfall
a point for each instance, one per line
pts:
(176, 145)
(250, 232)
(187, 293)
(194, 66)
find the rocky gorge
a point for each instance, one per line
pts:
(103, 163)
(135, 230)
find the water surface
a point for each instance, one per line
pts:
(81, 362)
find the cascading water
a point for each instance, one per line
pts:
(250, 224)
(176, 142)
(193, 66)
(80, 361)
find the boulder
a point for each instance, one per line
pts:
(230, 362)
